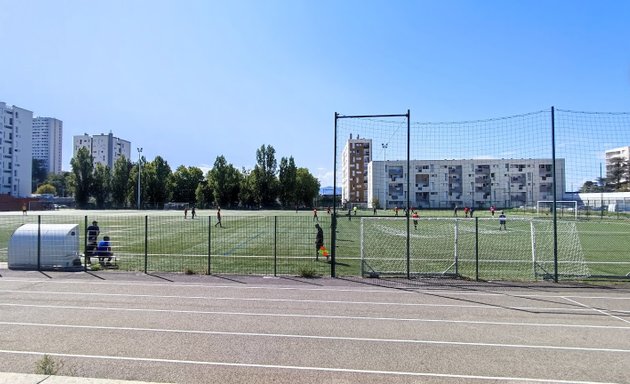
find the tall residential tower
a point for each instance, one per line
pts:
(105, 149)
(16, 163)
(47, 142)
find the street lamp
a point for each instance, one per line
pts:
(139, 171)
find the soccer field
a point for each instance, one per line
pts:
(282, 242)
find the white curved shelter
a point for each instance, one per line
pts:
(57, 247)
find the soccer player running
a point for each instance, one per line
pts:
(414, 216)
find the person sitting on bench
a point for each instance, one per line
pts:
(104, 250)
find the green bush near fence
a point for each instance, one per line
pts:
(283, 243)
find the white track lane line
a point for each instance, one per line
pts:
(334, 338)
(408, 290)
(343, 302)
(598, 310)
(326, 317)
(304, 368)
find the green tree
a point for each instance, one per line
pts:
(225, 182)
(616, 171)
(247, 193)
(121, 182)
(287, 179)
(185, 182)
(265, 175)
(102, 185)
(46, 189)
(82, 169)
(307, 187)
(158, 182)
(61, 182)
(589, 186)
(38, 173)
(204, 193)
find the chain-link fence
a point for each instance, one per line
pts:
(555, 165)
(369, 244)
(263, 245)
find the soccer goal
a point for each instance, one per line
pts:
(571, 260)
(523, 249)
(432, 246)
(564, 207)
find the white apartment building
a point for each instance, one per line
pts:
(356, 155)
(47, 142)
(474, 183)
(105, 149)
(613, 154)
(16, 163)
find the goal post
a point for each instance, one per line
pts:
(433, 246)
(523, 249)
(564, 207)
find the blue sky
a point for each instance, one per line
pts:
(191, 80)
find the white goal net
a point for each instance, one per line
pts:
(523, 249)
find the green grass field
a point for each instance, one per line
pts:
(282, 242)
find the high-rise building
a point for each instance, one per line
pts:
(475, 183)
(105, 149)
(16, 163)
(357, 154)
(47, 142)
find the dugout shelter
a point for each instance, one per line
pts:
(45, 246)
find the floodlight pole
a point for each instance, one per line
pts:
(139, 172)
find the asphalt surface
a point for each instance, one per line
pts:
(234, 329)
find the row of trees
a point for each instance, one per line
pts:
(266, 185)
(617, 179)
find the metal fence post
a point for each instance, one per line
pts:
(209, 244)
(85, 240)
(146, 243)
(275, 243)
(554, 184)
(476, 248)
(39, 242)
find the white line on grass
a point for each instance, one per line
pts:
(326, 317)
(305, 368)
